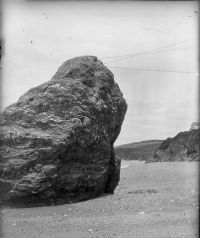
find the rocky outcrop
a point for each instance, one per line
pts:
(56, 142)
(183, 147)
(195, 125)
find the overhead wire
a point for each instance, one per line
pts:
(149, 52)
(157, 48)
(158, 70)
(153, 51)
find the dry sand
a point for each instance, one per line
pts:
(152, 200)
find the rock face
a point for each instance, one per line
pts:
(195, 125)
(183, 147)
(56, 142)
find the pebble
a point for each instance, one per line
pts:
(65, 215)
(142, 213)
(160, 209)
(14, 224)
(90, 230)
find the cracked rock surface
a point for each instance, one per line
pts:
(183, 147)
(56, 141)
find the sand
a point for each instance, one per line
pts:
(152, 200)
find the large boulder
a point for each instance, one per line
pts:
(56, 142)
(182, 147)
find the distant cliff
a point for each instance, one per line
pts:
(137, 151)
(182, 147)
(195, 125)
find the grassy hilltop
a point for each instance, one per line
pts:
(138, 151)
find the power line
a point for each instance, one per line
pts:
(158, 48)
(151, 29)
(158, 70)
(148, 52)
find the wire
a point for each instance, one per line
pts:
(153, 51)
(166, 46)
(149, 52)
(162, 47)
(158, 70)
(151, 29)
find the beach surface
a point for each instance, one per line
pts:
(152, 200)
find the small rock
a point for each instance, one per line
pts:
(90, 230)
(142, 213)
(65, 215)
(14, 224)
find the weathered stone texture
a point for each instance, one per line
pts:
(56, 142)
(183, 147)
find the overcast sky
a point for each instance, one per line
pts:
(159, 78)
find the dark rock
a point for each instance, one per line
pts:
(195, 125)
(56, 142)
(183, 147)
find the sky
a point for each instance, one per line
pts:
(151, 47)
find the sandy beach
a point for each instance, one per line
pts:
(152, 200)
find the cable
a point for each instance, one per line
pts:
(159, 70)
(166, 46)
(150, 52)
